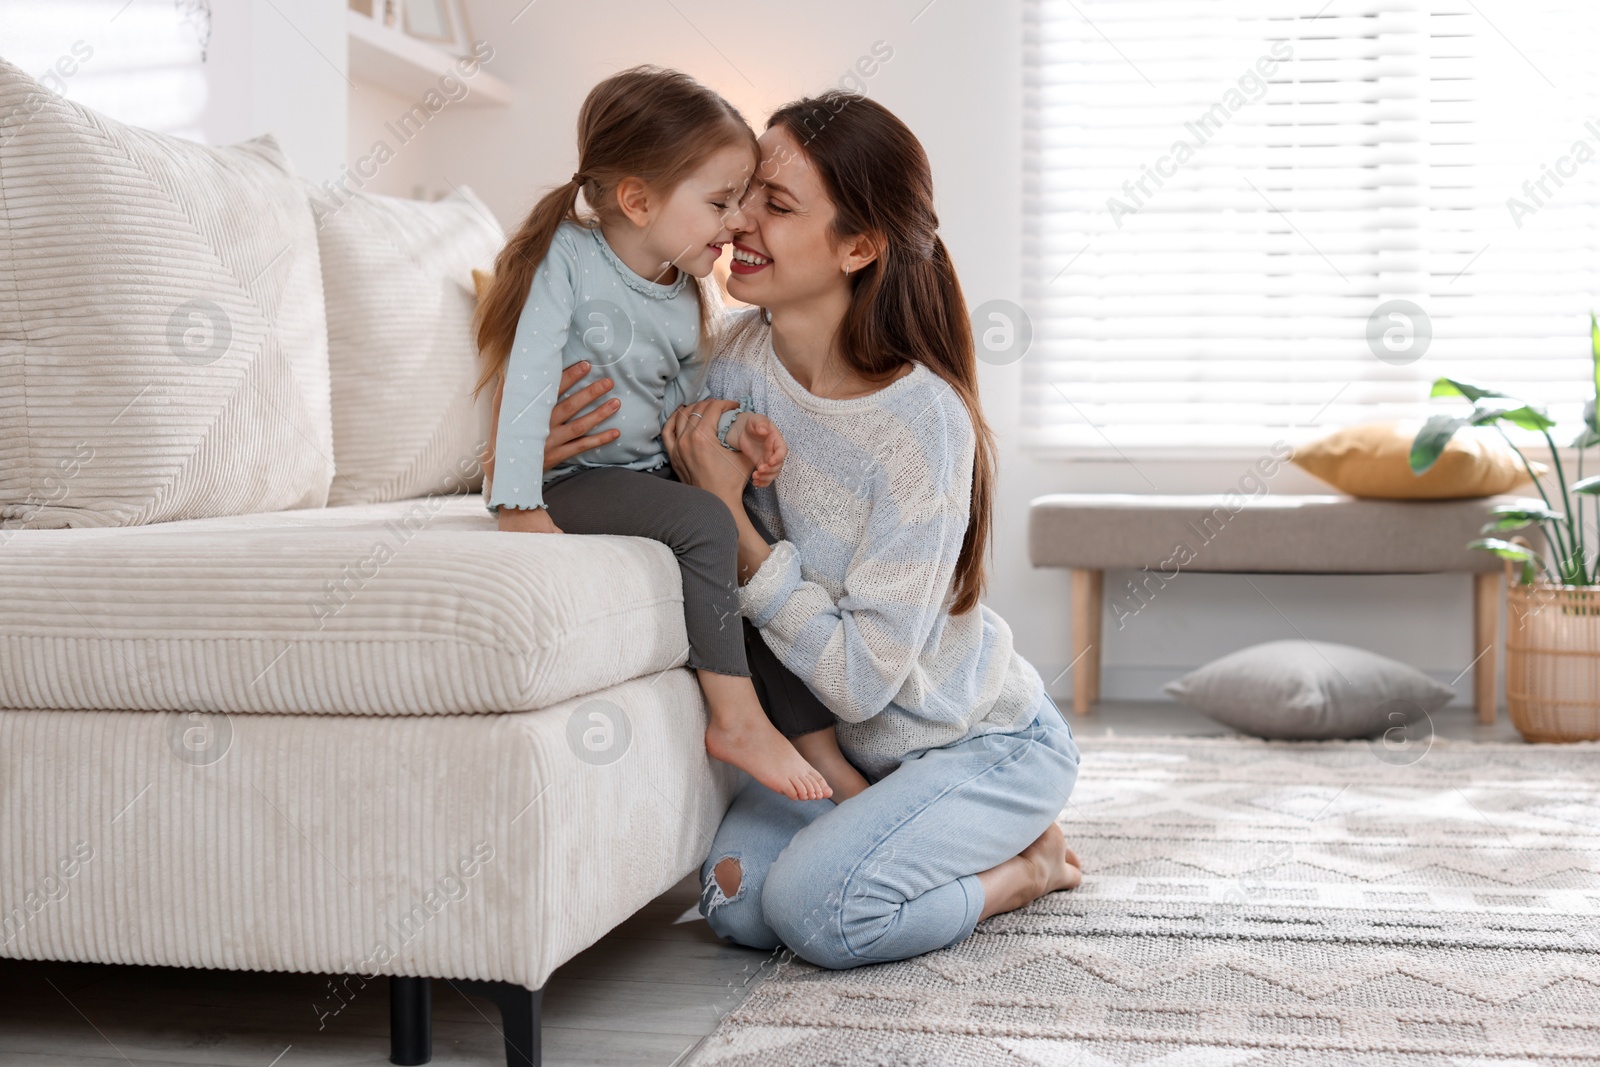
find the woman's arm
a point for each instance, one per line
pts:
(861, 650)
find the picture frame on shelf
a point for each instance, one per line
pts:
(442, 23)
(382, 12)
(403, 62)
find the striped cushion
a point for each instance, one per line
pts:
(163, 347)
(398, 280)
(411, 607)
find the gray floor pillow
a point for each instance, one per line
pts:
(1309, 690)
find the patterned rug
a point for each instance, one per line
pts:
(1254, 902)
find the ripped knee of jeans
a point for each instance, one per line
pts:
(725, 885)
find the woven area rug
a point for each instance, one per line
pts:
(1254, 902)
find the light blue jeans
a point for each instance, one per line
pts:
(890, 873)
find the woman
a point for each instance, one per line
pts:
(867, 319)
(861, 353)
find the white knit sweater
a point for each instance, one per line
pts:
(872, 505)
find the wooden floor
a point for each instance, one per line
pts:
(644, 996)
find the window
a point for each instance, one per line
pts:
(1236, 211)
(137, 61)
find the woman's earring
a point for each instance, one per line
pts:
(847, 270)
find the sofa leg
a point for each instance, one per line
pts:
(410, 1020)
(519, 1017)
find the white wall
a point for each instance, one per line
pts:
(278, 66)
(956, 78)
(409, 173)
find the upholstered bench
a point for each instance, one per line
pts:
(1091, 533)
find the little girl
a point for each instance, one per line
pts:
(663, 164)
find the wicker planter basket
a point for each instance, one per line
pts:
(1553, 661)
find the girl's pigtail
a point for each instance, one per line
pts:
(501, 306)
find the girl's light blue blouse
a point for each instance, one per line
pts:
(585, 303)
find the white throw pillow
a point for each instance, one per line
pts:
(163, 348)
(398, 278)
(1310, 690)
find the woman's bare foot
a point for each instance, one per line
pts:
(821, 750)
(1059, 866)
(756, 747)
(1045, 866)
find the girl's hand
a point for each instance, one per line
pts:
(690, 438)
(760, 440)
(526, 520)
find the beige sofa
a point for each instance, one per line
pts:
(275, 694)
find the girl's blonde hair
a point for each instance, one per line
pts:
(648, 123)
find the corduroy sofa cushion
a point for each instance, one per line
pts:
(405, 608)
(163, 346)
(398, 278)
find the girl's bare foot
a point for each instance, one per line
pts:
(741, 734)
(821, 750)
(1059, 867)
(756, 747)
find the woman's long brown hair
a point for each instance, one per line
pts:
(649, 123)
(906, 305)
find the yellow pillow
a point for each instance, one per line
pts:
(481, 280)
(1373, 460)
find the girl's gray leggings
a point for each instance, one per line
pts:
(701, 533)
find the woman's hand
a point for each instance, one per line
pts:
(566, 438)
(690, 438)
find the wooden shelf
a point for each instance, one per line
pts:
(402, 64)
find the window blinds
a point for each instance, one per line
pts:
(1225, 199)
(138, 61)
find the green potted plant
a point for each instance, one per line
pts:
(1553, 637)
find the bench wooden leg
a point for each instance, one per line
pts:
(1485, 639)
(1087, 587)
